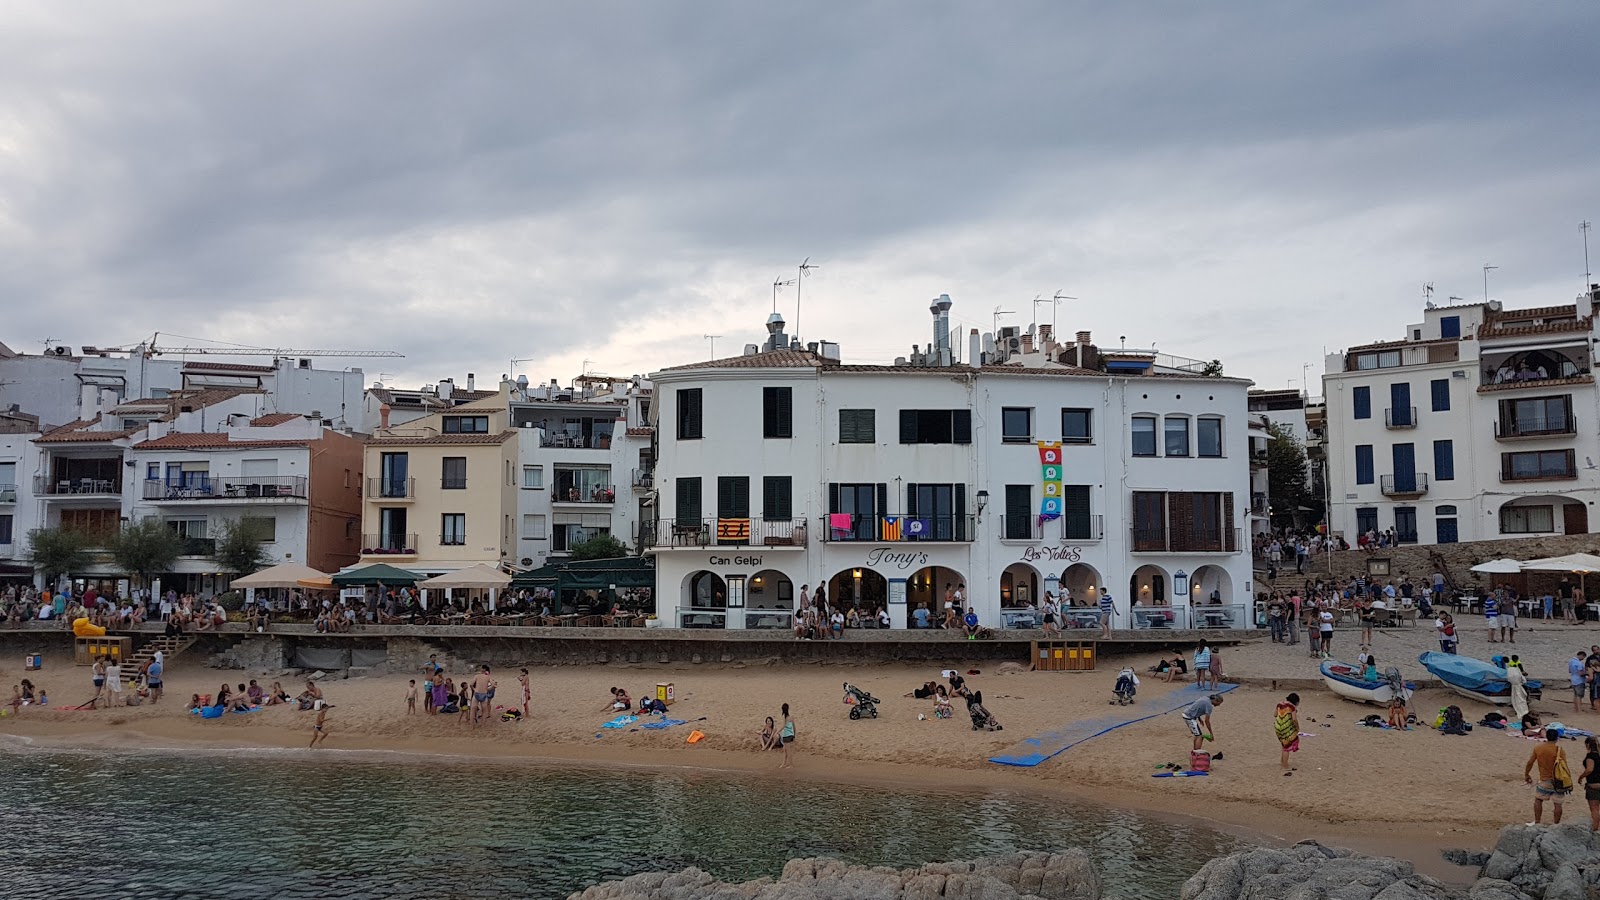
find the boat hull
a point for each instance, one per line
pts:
(1357, 689)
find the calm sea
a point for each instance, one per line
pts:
(271, 825)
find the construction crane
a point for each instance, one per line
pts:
(154, 350)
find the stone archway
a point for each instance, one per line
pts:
(928, 585)
(1211, 586)
(1082, 583)
(862, 589)
(705, 590)
(1020, 585)
(1149, 586)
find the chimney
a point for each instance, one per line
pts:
(383, 416)
(974, 349)
(1045, 335)
(1083, 349)
(1027, 343)
(446, 385)
(471, 380)
(940, 349)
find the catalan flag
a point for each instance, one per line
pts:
(891, 528)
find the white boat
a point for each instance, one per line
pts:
(1349, 682)
(1476, 679)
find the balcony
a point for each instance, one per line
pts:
(1157, 539)
(1400, 417)
(644, 479)
(266, 487)
(1070, 528)
(198, 546)
(388, 545)
(380, 488)
(8, 493)
(848, 527)
(567, 440)
(1552, 426)
(1405, 484)
(45, 486)
(590, 494)
(722, 533)
(1547, 465)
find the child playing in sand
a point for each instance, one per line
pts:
(319, 731)
(44, 699)
(411, 698)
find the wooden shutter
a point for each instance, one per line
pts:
(833, 497)
(1181, 523)
(911, 499)
(908, 426)
(689, 414)
(733, 497)
(1076, 521)
(688, 501)
(777, 501)
(1230, 541)
(961, 426)
(960, 501)
(878, 511)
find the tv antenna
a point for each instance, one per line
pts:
(1588, 276)
(1427, 294)
(780, 283)
(1486, 270)
(998, 312)
(517, 360)
(1057, 301)
(713, 339)
(805, 269)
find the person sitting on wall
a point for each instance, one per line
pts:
(920, 615)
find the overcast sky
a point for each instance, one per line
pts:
(476, 182)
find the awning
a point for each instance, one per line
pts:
(591, 574)
(478, 576)
(379, 573)
(286, 575)
(544, 576)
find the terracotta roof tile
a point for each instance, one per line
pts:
(77, 432)
(271, 419)
(644, 431)
(225, 367)
(171, 407)
(770, 359)
(500, 438)
(210, 440)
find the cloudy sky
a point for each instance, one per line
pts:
(473, 183)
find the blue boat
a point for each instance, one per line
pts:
(1349, 682)
(1474, 678)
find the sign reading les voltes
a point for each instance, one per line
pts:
(1052, 554)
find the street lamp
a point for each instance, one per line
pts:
(983, 501)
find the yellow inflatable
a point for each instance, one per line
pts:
(83, 628)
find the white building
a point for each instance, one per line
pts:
(783, 467)
(1480, 423)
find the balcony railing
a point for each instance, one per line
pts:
(44, 485)
(722, 533)
(1538, 466)
(1552, 426)
(388, 544)
(453, 483)
(1160, 618)
(644, 479)
(266, 487)
(1069, 528)
(1400, 417)
(1157, 539)
(381, 488)
(570, 441)
(8, 493)
(1403, 484)
(594, 493)
(197, 546)
(841, 527)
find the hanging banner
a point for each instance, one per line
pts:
(1050, 478)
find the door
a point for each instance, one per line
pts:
(859, 502)
(1400, 405)
(396, 472)
(1447, 531)
(1405, 524)
(1405, 468)
(1575, 516)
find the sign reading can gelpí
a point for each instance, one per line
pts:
(1055, 554)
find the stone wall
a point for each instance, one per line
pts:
(1420, 562)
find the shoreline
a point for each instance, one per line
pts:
(1265, 827)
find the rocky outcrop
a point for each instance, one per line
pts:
(1556, 863)
(1310, 871)
(1068, 875)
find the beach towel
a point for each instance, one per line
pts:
(1284, 724)
(621, 722)
(840, 522)
(664, 723)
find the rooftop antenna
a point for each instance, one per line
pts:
(1037, 299)
(1486, 270)
(1588, 276)
(1427, 294)
(1057, 301)
(514, 365)
(586, 364)
(779, 283)
(998, 312)
(713, 339)
(805, 269)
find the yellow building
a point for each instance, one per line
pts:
(440, 490)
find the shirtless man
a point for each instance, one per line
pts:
(319, 732)
(482, 692)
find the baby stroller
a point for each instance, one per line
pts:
(861, 702)
(982, 719)
(1126, 687)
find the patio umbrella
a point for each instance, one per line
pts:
(481, 575)
(286, 575)
(1498, 567)
(1578, 563)
(325, 583)
(378, 573)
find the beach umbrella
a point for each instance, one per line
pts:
(1577, 563)
(325, 583)
(481, 575)
(286, 575)
(1498, 567)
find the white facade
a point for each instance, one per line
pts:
(17, 458)
(1479, 425)
(748, 509)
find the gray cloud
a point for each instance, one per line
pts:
(474, 183)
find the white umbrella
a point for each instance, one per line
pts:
(1499, 567)
(1572, 562)
(480, 575)
(286, 575)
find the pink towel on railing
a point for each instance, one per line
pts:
(840, 522)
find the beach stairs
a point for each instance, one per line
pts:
(169, 647)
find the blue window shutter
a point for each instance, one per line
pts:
(1363, 464)
(1361, 400)
(1441, 394)
(1444, 461)
(1450, 327)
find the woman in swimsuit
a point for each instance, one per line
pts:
(787, 736)
(769, 736)
(527, 691)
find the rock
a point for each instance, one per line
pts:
(317, 675)
(1010, 668)
(1459, 857)
(696, 658)
(1310, 871)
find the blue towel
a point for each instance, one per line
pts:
(664, 723)
(621, 722)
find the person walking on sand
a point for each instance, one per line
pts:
(1591, 780)
(482, 685)
(1202, 668)
(787, 735)
(527, 692)
(113, 684)
(1197, 717)
(1215, 664)
(1325, 626)
(153, 674)
(1107, 610)
(319, 731)
(1286, 722)
(99, 681)
(411, 698)
(1578, 674)
(1491, 613)
(1546, 756)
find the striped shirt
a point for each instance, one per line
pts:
(1105, 603)
(1491, 606)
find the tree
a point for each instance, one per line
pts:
(601, 546)
(1288, 489)
(1213, 369)
(239, 548)
(58, 551)
(145, 548)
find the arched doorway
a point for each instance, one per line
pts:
(769, 600)
(1019, 586)
(1545, 514)
(1081, 583)
(1211, 586)
(928, 585)
(860, 589)
(705, 590)
(1148, 587)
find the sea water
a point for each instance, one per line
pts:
(280, 825)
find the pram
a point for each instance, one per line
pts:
(862, 703)
(1126, 687)
(982, 719)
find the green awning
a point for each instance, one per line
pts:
(379, 573)
(544, 576)
(600, 574)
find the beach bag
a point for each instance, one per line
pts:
(1454, 721)
(1563, 779)
(1199, 760)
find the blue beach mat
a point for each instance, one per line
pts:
(664, 723)
(621, 722)
(1036, 750)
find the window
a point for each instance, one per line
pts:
(152, 472)
(689, 424)
(688, 506)
(1016, 425)
(1386, 359)
(1361, 402)
(466, 424)
(1444, 525)
(736, 591)
(1208, 435)
(1537, 464)
(942, 508)
(453, 529)
(1444, 461)
(5, 530)
(1440, 388)
(1175, 431)
(1405, 524)
(1366, 519)
(454, 474)
(1076, 522)
(858, 426)
(777, 498)
(1144, 435)
(777, 412)
(861, 503)
(1149, 520)
(534, 528)
(1019, 512)
(566, 535)
(935, 426)
(1364, 464)
(1527, 520)
(1536, 415)
(1077, 426)
(1400, 408)
(733, 497)
(1450, 327)
(583, 484)
(394, 481)
(265, 528)
(533, 478)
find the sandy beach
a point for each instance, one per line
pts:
(1356, 786)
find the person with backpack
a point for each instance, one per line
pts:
(1555, 779)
